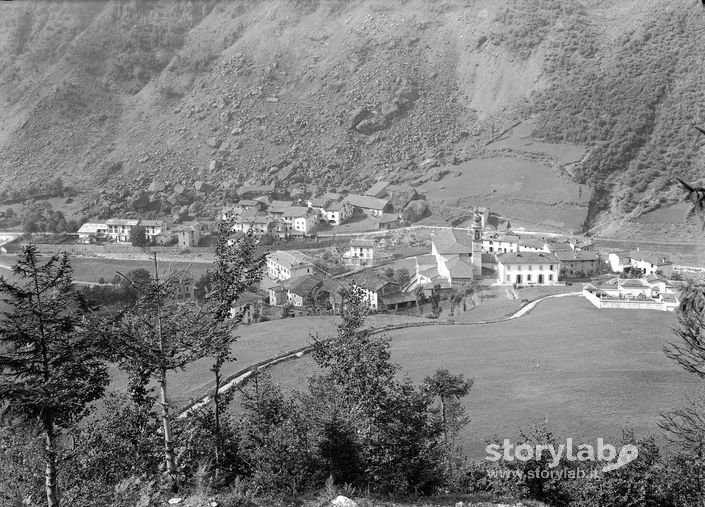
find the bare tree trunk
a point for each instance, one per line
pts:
(216, 410)
(51, 487)
(168, 442)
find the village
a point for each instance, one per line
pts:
(402, 267)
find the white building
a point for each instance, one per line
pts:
(527, 268)
(283, 265)
(91, 231)
(119, 229)
(299, 220)
(361, 252)
(153, 228)
(499, 243)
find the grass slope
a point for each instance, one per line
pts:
(598, 371)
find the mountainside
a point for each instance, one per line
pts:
(320, 95)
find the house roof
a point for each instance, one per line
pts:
(426, 260)
(377, 188)
(122, 221)
(152, 223)
(334, 206)
(295, 211)
(302, 285)
(319, 202)
(248, 297)
(364, 243)
(248, 202)
(655, 259)
(527, 258)
(573, 256)
(366, 201)
(370, 281)
(559, 247)
(452, 241)
(253, 219)
(538, 244)
(333, 196)
(459, 267)
(92, 227)
(398, 297)
(289, 258)
(280, 204)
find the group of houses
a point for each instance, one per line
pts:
(300, 218)
(119, 230)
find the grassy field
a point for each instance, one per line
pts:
(93, 269)
(589, 373)
(519, 139)
(256, 343)
(524, 191)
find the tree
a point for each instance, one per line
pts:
(51, 368)
(138, 236)
(156, 335)
(449, 389)
(686, 425)
(238, 266)
(436, 300)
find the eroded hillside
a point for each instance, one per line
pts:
(121, 97)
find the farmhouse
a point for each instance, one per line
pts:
(496, 242)
(299, 220)
(378, 190)
(528, 268)
(387, 221)
(337, 213)
(578, 262)
(153, 228)
(90, 231)
(119, 229)
(368, 205)
(188, 235)
(260, 224)
(532, 245)
(649, 263)
(302, 290)
(374, 288)
(248, 305)
(283, 265)
(361, 252)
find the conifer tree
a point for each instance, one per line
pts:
(50, 365)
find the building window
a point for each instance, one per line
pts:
(550, 278)
(550, 267)
(528, 277)
(509, 277)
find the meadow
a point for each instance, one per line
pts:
(587, 373)
(526, 192)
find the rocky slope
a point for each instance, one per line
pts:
(164, 104)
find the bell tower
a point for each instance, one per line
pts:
(477, 245)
